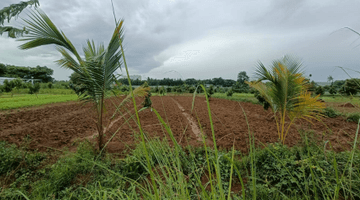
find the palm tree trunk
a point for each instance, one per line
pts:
(100, 124)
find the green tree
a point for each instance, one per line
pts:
(331, 80)
(242, 77)
(13, 11)
(332, 90)
(286, 93)
(34, 88)
(210, 91)
(319, 90)
(2, 70)
(351, 86)
(8, 86)
(96, 70)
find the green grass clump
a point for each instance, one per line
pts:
(353, 117)
(32, 100)
(330, 112)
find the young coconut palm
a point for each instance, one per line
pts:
(286, 93)
(96, 70)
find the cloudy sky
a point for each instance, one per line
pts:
(205, 38)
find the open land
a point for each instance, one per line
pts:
(63, 124)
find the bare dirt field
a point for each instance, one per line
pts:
(62, 125)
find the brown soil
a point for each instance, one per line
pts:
(344, 108)
(62, 125)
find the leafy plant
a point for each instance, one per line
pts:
(319, 90)
(96, 70)
(286, 92)
(330, 112)
(229, 93)
(34, 88)
(353, 117)
(13, 11)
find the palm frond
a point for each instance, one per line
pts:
(15, 9)
(12, 32)
(42, 31)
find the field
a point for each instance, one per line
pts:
(61, 125)
(54, 156)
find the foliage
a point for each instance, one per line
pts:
(8, 86)
(300, 171)
(229, 93)
(319, 90)
(353, 117)
(147, 102)
(351, 87)
(210, 91)
(162, 90)
(96, 71)
(261, 100)
(332, 90)
(50, 85)
(242, 77)
(42, 73)
(330, 112)
(11, 11)
(286, 92)
(34, 88)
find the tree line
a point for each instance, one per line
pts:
(43, 74)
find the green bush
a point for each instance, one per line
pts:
(34, 88)
(319, 90)
(229, 93)
(353, 117)
(330, 112)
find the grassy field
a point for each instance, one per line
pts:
(27, 100)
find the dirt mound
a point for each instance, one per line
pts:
(347, 105)
(61, 125)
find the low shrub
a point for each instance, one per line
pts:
(353, 117)
(330, 112)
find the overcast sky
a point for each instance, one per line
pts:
(204, 38)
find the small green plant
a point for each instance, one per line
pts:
(229, 93)
(210, 91)
(330, 112)
(34, 88)
(147, 102)
(50, 85)
(319, 90)
(353, 117)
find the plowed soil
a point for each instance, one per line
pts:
(62, 125)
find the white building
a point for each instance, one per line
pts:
(2, 79)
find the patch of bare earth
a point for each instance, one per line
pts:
(60, 125)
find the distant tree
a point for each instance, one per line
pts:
(351, 86)
(147, 102)
(34, 88)
(331, 80)
(332, 90)
(8, 86)
(229, 83)
(2, 69)
(319, 90)
(42, 73)
(50, 85)
(210, 91)
(242, 77)
(162, 90)
(11, 11)
(229, 93)
(191, 89)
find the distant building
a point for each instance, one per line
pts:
(133, 77)
(2, 79)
